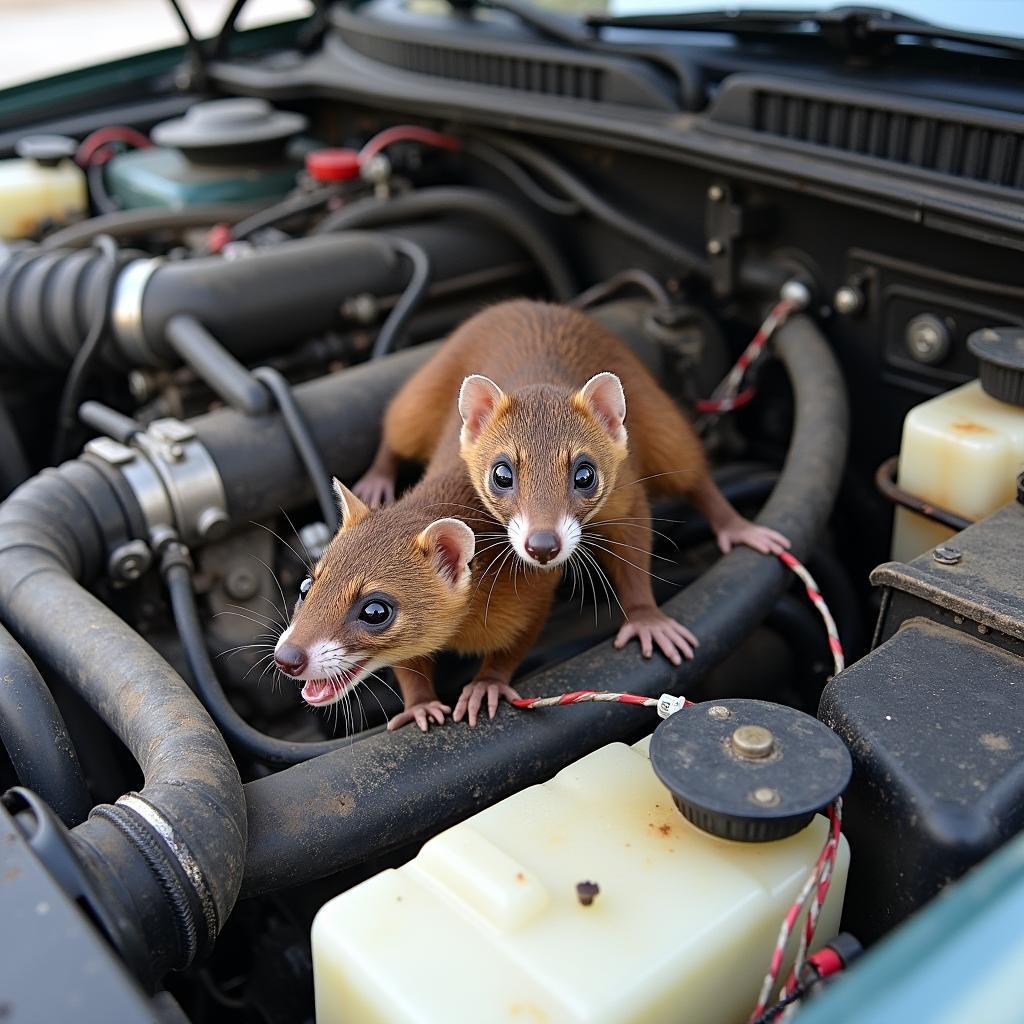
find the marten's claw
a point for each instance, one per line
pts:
(760, 538)
(652, 626)
(472, 697)
(422, 714)
(375, 489)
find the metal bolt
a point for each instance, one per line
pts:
(212, 523)
(927, 339)
(716, 193)
(946, 554)
(718, 713)
(314, 538)
(129, 561)
(765, 796)
(715, 247)
(848, 300)
(753, 741)
(241, 583)
(796, 292)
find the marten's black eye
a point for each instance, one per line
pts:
(585, 477)
(376, 612)
(304, 587)
(501, 476)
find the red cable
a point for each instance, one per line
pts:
(407, 133)
(98, 140)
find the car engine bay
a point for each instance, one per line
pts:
(263, 243)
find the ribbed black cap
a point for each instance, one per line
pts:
(1000, 352)
(747, 769)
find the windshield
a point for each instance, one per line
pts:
(47, 37)
(996, 17)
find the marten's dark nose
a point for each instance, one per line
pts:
(290, 659)
(543, 546)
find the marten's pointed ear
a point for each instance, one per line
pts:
(603, 396)
(478, 398)
(451, 544)
(351, 508)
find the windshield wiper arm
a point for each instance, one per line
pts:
(852, 28)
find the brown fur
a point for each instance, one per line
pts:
(494, 610)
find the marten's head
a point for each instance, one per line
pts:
(543, 459)
(385, 590)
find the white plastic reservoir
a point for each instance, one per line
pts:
(33, 191)
(961, 451)
(485, 926)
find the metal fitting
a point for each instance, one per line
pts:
(126, 304)
(927, 339)
(174, 479)
(716, 193)
(315, 537)
(715, 247)
(796, 292)
(946, 554)
(129, 561)
(848, 300)
(753, 741)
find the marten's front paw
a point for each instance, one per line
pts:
(652, 626)
(422, 714)
(472, 697)
(375, 489)
(760, 538)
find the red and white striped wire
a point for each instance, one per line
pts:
(817, 882)
(727, 396)
(666, 701)
(814, 594)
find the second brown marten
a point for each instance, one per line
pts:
(543, 395)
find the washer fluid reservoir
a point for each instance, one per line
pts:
(44, 186)
(963, 450)
(595, 897)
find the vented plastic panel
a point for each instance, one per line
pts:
(523, 74)
(958, 142)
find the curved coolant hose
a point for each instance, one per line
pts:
(168, 859)
(177, 572)
(33, 733)
(433, 202)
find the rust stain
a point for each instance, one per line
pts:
(970, 427)
(662, 830)
(993, 741)
(520, 878)
(528, 1011)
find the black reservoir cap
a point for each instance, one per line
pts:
(749, 770)
(1000, 352)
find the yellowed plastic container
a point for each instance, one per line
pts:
(485, 927)
(31, 193)
(961, 451)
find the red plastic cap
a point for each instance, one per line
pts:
(333, 164)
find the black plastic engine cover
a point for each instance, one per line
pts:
(934, 719)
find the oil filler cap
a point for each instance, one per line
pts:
(1000, 352)
(747, 769)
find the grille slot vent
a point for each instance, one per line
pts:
(955, 148)
(523, 74)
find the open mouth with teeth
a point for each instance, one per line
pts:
(319, 692)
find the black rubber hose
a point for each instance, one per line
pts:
(386, 791)
(435, 202)
(237, 731)
(598, 208)
(301, 437)
(275, 297)
(86, 356)
(216, 366)
(388, 337)
(13, 462)
(35, 737)
(171, 892)
(132, 223)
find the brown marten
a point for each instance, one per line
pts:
(549, 456)
(396, 585)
